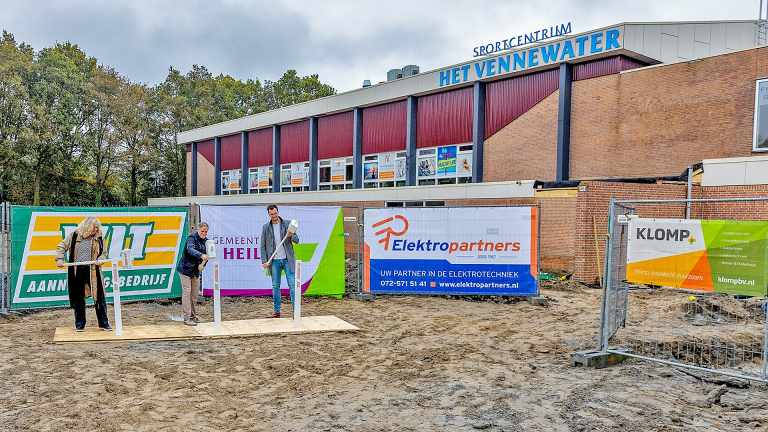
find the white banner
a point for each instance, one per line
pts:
(236, 231)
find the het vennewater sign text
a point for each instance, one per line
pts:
(537, 56)
(516, 41)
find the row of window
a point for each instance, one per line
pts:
(450, 164)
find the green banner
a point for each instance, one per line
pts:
(154, 235)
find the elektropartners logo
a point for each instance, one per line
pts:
(388, 231)
(432, 245)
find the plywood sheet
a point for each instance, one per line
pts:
(252, 327)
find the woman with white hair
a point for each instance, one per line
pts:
(85, 243)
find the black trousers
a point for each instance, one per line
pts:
(83, 277)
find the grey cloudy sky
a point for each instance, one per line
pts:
(344, 42)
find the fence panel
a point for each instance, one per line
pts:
(701, 305)
(154, 235)
(352, 248)
(5, 257)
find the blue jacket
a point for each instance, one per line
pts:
(194, 248)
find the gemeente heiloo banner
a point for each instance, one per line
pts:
(709, 255)
(461, 250)
(154, 235)
(236, 231)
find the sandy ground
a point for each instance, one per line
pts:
(418, 363)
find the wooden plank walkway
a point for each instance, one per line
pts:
(243, 328)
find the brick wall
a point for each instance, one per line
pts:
(525, 149)
(657, 121)
(593, 207)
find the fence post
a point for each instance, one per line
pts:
(602, 338)
(4, 295)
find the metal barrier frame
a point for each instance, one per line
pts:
(612, 286)
(5, 259)
(7, 269)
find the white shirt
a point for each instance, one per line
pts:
(278, 238)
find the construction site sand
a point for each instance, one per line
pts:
(418, 363)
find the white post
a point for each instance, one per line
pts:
(116, 299)
(216, 298)
(297, 296)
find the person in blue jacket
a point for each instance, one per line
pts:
(191, 264)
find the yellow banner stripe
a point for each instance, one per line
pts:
(47, 262)
(162, 240)
(53, 223)
(45, 243)
(49, 243)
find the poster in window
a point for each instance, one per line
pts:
(285, 178)
(371, 170)
(761, 116)
(338, 170)
(464, 164)
(297, 174)
(387, 166)
(225, 182)
(426, 166)
(401, 169)
(446, 160)
(234, 180)
(253, 180)
(265, 177)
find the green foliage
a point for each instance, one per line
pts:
(73, 132)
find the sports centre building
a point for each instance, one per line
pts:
(566, 122)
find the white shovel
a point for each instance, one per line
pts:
(292, 227)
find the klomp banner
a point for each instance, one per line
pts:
(709, 255)
(236, 233)
(154, 236)
(461, 250)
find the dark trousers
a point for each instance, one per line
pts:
(83, 277)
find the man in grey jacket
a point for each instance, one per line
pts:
(272, 234)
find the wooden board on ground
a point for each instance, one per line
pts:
(252, 327)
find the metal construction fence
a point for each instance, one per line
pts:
(353, 227)
(5, 259)
(722, 332)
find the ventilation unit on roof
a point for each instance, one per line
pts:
(405, 72)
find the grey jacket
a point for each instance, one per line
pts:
(269, 243)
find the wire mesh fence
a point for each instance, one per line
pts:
(353, 248)
(717, 330)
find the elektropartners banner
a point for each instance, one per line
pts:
(486, 250)
(709, 255)
(236, 231)
(154, 235)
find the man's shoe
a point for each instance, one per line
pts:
(107, 328)
(198, 320)
(190, 322)
(274, 315)
(79, 329)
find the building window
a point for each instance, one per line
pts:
(230, 182)
(414, 204)
(450, 164)
(760, 142)
(384, 170)
(260, 179)
(294, 177)
(335, 174)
